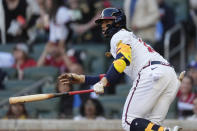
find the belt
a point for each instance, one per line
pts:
(159, 62)
(154, 63)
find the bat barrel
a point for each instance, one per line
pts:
(30, 98)
(39, 97)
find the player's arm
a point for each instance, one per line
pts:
(91, 80)
(123, 59)
(73, 78)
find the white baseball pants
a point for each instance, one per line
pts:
(151, 95)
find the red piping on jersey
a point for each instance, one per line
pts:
(131, 99)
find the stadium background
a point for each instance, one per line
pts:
(175, 38)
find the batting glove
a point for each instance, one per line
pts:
(98, 88)
(71, 78)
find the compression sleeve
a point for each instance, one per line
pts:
(91, 80)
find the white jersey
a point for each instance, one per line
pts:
(141, 52)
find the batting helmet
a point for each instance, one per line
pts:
(118, 17)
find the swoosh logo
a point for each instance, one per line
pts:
(153, 68)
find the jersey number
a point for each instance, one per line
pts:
(150, 49)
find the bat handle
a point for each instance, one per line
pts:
(80, 92)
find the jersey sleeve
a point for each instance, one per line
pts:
(121, 51)
(91, 80)
(123, 37)
(121, 47)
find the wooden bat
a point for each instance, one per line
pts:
(39, 97)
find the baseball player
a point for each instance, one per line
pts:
(155, 82)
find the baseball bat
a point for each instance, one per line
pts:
(39, 97)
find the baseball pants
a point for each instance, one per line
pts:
(151, 95)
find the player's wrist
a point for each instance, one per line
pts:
(104, 81)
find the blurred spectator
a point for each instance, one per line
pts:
(193, 4)
(185, 97)
(166, 22)
(7, 59)
(87, 11)
(66, 102)
(2, 78)
(193, 10)
(59, 30)
(22, 59)
(106, 3)
(17, 16)
(54, 55)
(142, 16)
(190, 27)
(194, 116)
(167, 16)
(193, 73)
(16, 111)
(40, 32)
(91, 109)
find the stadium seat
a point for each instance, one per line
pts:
(11, 72)
(37, 51)
(35, 56)
(38, 48)
(3, 112)
(48, 115)
(17, 85)
(113, 105)
(4, 94)
(48, 88)
(7, 47)
(95, 61)
(117, 3)
(37, 73)
(123, 89)
(43, 109)
(46, 106)
(172, 112)
(31, 111)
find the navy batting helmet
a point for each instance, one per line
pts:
(118, 17)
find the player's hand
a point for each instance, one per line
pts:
(98, 88)
(71, 78)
